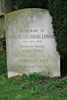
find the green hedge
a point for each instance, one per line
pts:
(58, 11)
(20, 4)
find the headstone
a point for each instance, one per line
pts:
(30, 42)
(5, 6)
(2, 28)
(0, 6)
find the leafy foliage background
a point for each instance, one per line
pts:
(20, 4)
(58, 11)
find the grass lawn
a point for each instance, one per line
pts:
(32, 87)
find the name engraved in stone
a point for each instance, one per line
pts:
(33, 60)
(35, 36)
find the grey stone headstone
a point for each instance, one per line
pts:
(2, 27)
(30, 42)
(5, 6)
(0, 6)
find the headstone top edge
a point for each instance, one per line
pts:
(25, 9)
(2, 14)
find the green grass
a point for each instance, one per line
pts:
(32, 87)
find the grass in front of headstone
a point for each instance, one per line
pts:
(31, 87)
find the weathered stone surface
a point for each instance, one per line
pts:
(31, 45)
(0, 6)
(5, 6)
(2, 28)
